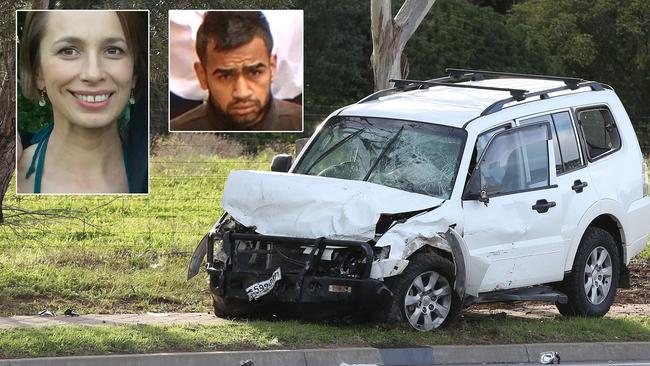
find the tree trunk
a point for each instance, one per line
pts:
(389, 36)
(8, 95)
(7, 118)
(40, 4)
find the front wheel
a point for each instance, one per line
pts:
(423, 294)
(593, 281)
(231, 308)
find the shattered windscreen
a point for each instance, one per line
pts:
(411, 156)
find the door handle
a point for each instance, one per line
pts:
(542, 206)
(579, 185)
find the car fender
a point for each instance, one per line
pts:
(602, 207)
(201, 250)
(466, 283)
(197, 258)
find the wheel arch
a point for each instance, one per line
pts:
(614, 227)
(605, 215)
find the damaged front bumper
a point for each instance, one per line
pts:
(308, 275)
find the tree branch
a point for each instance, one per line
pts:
(409, 17)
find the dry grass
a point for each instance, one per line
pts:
(181, 145)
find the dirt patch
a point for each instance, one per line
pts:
(639, 291)
(633, 301)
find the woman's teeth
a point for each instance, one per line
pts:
(93, 98)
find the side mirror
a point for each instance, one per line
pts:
(281, 163)
(483, 197)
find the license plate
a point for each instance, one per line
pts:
(260, 289)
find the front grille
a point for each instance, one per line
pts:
(266, 256)
(263, 254)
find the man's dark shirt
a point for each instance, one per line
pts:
(281, 116)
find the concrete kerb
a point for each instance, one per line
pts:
(435, 355)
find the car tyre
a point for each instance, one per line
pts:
(423, 295)
(592, 284)
(230, 308)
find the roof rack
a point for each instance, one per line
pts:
(542, 94)
(571, 83)
(404, 85)
(459, 75)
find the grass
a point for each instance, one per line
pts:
(120, 253)
(261, 335)
(645, 254)
(117, 253)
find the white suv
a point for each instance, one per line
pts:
(434, 195)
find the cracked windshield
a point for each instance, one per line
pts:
(411, 156)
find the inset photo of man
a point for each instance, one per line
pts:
(236, 71)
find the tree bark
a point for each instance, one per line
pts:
(389, 36)
(8, 95)
(7, 118)
(40, 4)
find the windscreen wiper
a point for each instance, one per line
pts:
(383, 152)
(334, 147)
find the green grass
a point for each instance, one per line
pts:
(645, 254)
(115, 253)
(258, 335)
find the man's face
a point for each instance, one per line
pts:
(239, 80)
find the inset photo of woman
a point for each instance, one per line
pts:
(82, 101)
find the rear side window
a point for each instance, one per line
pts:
(601, 134)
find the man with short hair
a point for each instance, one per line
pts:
(236, 67)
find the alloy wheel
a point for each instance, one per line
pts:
(598, 275)
(428, 301)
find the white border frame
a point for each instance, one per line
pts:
(302, 105)
(17, 50)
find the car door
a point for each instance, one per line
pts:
(512, 211)
(574, 181)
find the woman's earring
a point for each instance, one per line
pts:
(41, 101)
(132, 99)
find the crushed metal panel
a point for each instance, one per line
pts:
(311, 206)
(223, 224)
(197, 258)
(460, 253)
(406, 238)
(387, 268)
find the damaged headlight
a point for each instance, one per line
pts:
(381, 252)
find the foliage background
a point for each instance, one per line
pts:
(601, 40)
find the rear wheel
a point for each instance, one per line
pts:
(593, 281)
(423, 294)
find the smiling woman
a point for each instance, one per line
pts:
(91, 66)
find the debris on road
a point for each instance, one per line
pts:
(70, 312)
(549, 358)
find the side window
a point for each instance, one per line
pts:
(515, 160)
(600, 131)
(483, 139)
(565, 137)
(559, 167)
(565, 142)
(481, 142)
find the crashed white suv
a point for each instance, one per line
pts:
(434, 195)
